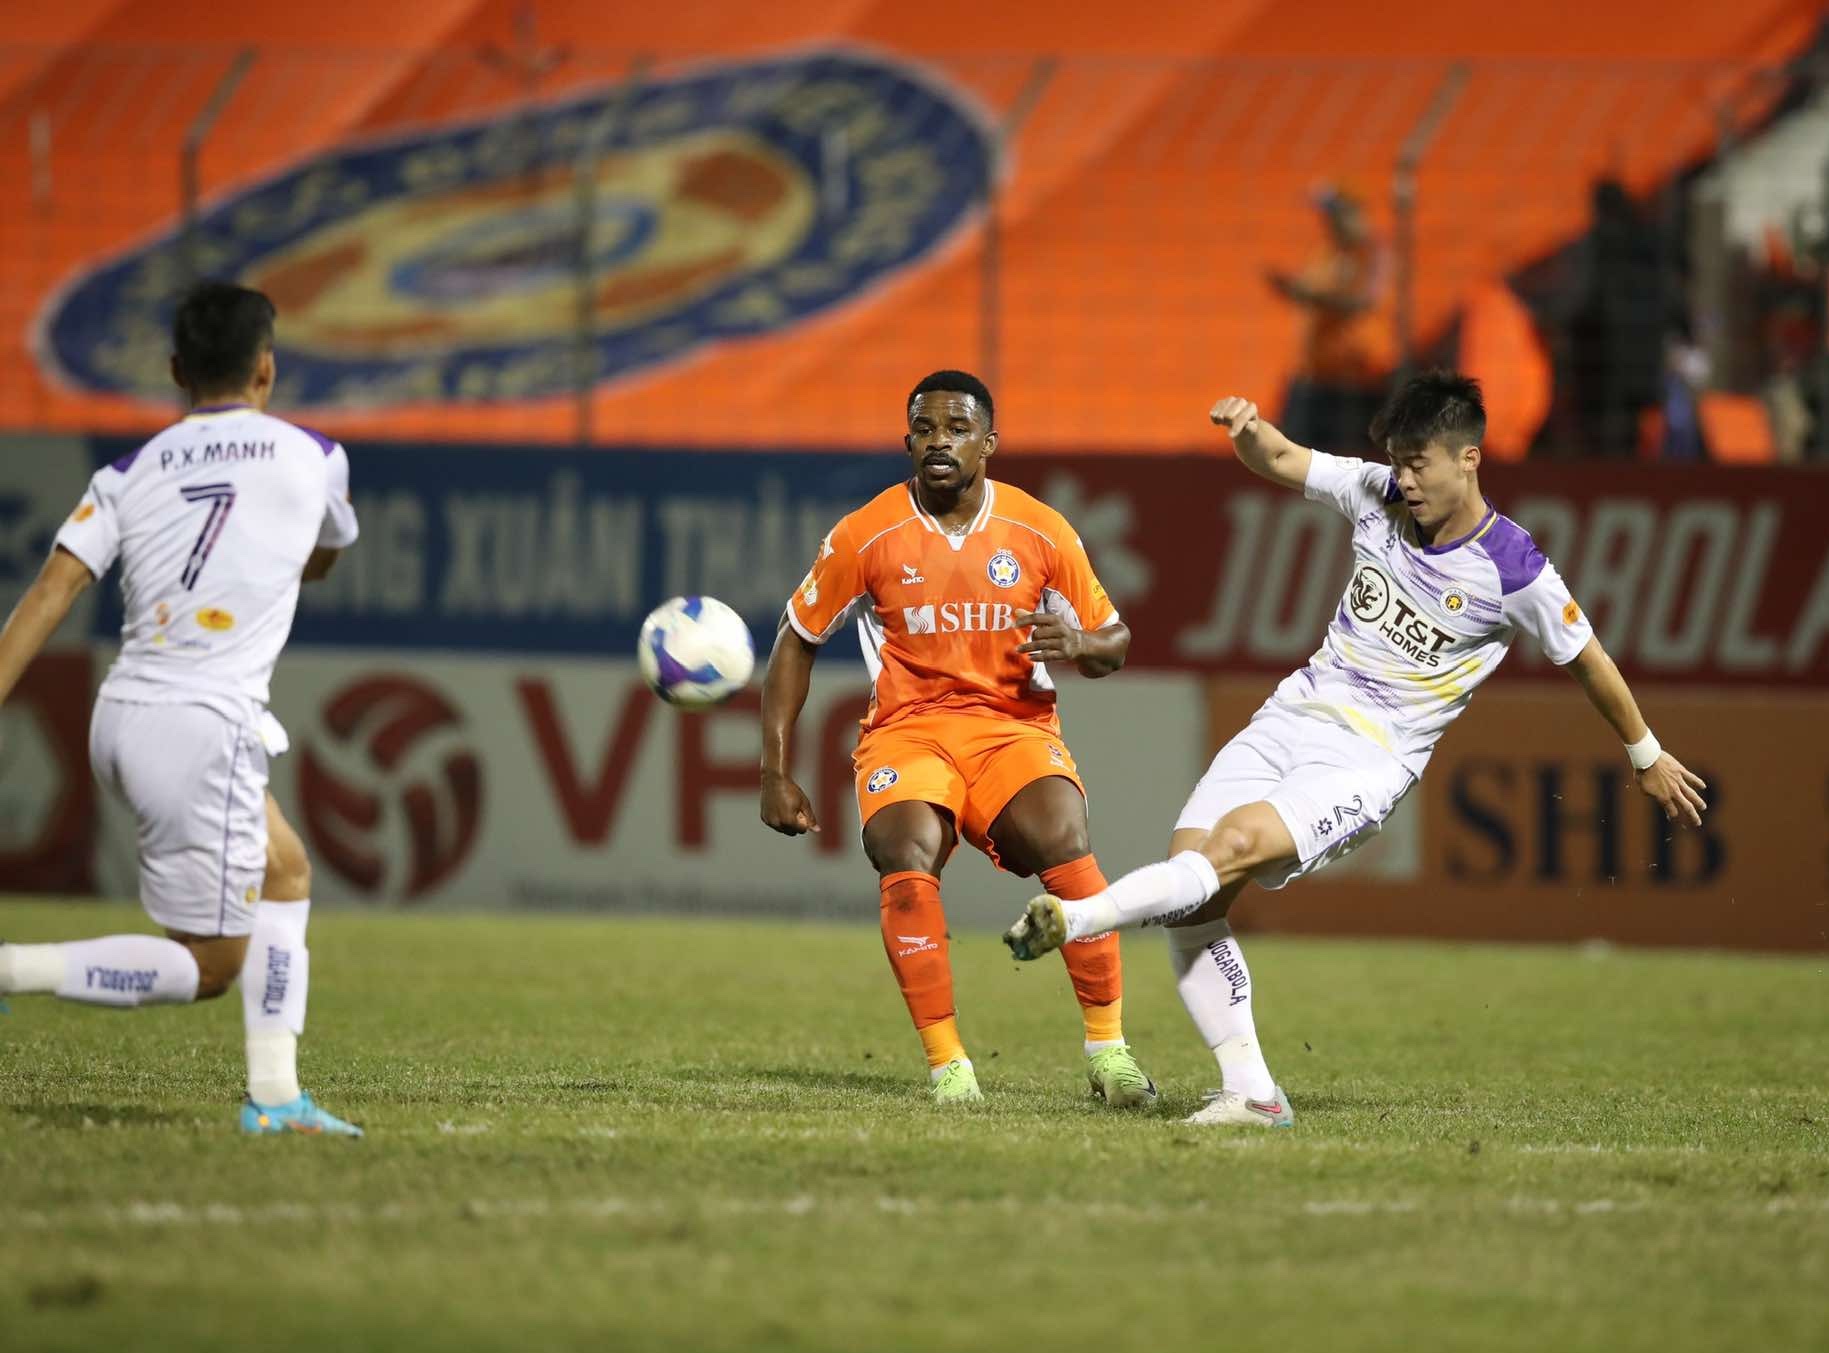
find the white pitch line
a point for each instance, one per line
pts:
(160, 1213)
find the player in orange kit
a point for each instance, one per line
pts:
(964, 590)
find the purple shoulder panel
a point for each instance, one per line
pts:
(325, 444)
(1513, 553)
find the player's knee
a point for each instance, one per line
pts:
(912, 853)
(212, 982)
(1058, 843)
(218, 965)
(1232, 846)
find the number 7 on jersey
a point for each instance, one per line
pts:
(220, 497)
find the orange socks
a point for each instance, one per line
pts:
(1093, 962)
(914, 938)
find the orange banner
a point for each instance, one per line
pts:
(491, 221)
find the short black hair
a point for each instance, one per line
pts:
(956, 383)
(1435, 406)
(219, 332)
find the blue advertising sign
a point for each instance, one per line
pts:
(563, 551)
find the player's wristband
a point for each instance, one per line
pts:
(1645, 752)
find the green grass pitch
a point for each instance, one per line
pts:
(712, 1135)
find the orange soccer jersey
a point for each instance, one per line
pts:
(938, 610)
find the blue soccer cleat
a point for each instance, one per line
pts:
(301, 1115)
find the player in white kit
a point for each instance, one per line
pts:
(216, 521)
(1441, 584)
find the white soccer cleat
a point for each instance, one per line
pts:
(1233, 1108)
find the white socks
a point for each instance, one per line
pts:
(132, 970)
(273, 983)
(117, 970)
(1156, 892)
(1215, 986)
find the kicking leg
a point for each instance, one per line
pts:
(1244, 840)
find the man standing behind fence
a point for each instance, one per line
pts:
(1337, 388)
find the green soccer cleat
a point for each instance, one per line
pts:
(957, 1083)
(1041, 929)
(1116, 1078)
(301, 1115)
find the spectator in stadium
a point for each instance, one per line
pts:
(1616, 358)
(1339, 384)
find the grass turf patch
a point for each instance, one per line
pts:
(707, 1134)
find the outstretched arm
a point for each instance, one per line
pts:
(1264, 451)
(1676, 788)
(785, 806)
(39, 612)
(1349, 299)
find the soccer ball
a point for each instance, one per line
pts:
(695, 651)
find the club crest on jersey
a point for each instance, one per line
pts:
(214, 618)
(1454, 601)
(442, 264)
(1003, 570)
(1368, 596)
(881, 778)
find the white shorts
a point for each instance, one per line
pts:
(1333, 788)
(197, 784)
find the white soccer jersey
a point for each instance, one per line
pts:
(1421, 626)
(212, 520)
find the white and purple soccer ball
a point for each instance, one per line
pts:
(695, 652)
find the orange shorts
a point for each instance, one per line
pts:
(970, 765)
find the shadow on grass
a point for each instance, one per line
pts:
(81, 1116)
(797, 1078)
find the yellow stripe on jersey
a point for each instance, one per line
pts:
(1365, 726)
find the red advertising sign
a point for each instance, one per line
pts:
(47, 797)
(1700, 575)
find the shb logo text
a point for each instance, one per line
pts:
(959, 617)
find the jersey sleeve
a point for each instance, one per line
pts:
(339, 530)
(1074, 591)
(1543, 609)
(832, 586)
(1348, 484)
(92, 532)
